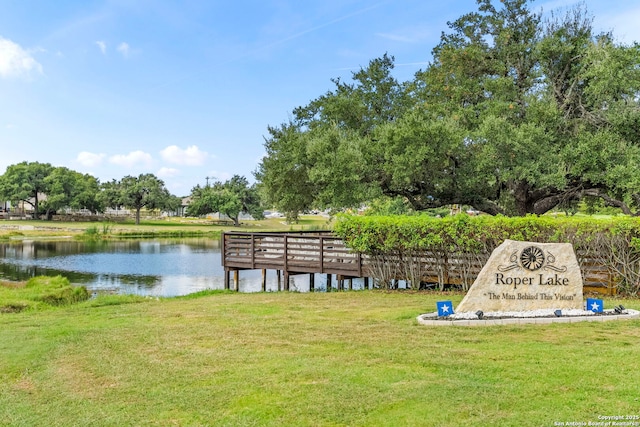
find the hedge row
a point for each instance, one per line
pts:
(615, 243)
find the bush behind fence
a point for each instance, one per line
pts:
(420, 243)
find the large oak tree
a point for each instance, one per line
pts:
(230, 198)
(514, 115)
(25, 182)
(138, 192)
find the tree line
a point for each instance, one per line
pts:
(26, 182)
(514, 115)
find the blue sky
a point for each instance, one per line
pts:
(186, 89)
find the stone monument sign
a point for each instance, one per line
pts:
(524, 276)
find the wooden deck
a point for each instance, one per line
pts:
(321, 252)
(290, 253)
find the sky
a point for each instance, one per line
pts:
(186, 89)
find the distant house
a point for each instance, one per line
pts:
(4, 210)
(26, 208)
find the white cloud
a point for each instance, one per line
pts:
(168, 172)
(15, 61)
(124, 49)
(103, 46)
(132, 159)
(88, 159)
(191, 156)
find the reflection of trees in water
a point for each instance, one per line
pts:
(160, 245)
(22, 272)
(146, 281)
(45, 249)
(19, 272)
(22, 260)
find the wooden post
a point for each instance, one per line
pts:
(253, 252)
(264, 280)
(279, 274)
(223, 251)
(312, 279)
(236, 280)
(321, 255)
(366, 283)
(286, 253)
(226, 279)
(350, 283)
(286, 280)
(328, 283)
(340, 280)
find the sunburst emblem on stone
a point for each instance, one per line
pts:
(532, 258)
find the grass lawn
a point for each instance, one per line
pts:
(319, 359)
(21, 229)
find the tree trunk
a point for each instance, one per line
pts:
(138, 216)
(35, 207)
(521, 197)
(610, 201)
(487, 207)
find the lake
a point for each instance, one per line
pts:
(159, 267)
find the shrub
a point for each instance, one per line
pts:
(55, 290)
(417, 243)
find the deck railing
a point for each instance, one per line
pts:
(290, 252)
(324, 253)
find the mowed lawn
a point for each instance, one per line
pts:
(25, 229)
(321, 359)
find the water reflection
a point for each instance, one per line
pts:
(152, 267)
(163, 267)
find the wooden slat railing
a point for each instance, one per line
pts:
(292, 252)
(323, 252)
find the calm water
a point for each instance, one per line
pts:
(168, 267)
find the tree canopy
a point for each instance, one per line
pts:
(49, 189)
(515, 114)
(70, 189)
(230, 198)
(143, 191)
(25, 182)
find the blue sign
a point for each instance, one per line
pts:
(595, 305)
(445, 308)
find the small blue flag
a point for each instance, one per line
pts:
(595, 305)
(445, 308)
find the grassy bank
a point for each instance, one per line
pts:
(169, 227)
(352, 358)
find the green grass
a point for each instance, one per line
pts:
(169, 227)
(39, 293)
(318, 359)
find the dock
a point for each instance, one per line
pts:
(322, 252)
(290, 254)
